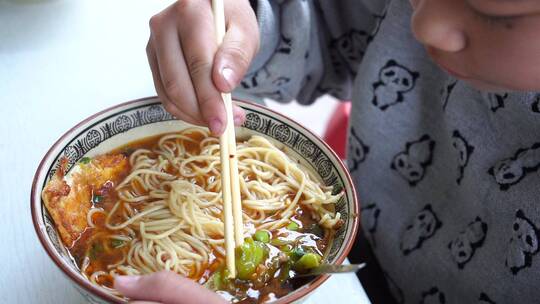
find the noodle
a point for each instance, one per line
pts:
(169, 209)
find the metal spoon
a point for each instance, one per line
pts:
(330, 268)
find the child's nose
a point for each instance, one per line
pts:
(437, 24)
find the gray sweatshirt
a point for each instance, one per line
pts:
(448, 176)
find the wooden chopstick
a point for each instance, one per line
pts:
(235, 180)
(232, 205)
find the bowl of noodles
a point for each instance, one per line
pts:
(132, 190)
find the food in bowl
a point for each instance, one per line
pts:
(156, 204)
(150, 187)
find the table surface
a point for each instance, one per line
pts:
(61, 61)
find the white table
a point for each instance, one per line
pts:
(61, 61)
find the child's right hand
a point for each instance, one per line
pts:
(189, 69)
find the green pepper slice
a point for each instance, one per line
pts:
(248, 256)
(307, 261)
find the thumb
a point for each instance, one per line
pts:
(165, 287)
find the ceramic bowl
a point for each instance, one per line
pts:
(136, 119)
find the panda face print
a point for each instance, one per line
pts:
(462, 248)
(357, 151)
(507, 172)
(394, 81)
(523, 243)
(349, 48)
(397, 77)
(423, 227)
(411, 164)
(370, 217)
(464, 151)
(433, 296)
(496, 101)
(511, 171)
(412, 171)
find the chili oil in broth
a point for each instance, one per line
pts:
(102, 249)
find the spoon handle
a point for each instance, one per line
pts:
(330, 268)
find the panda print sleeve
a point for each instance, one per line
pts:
(310, 47)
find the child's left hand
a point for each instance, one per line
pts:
(165, 287)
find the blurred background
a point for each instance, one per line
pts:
(92, 52)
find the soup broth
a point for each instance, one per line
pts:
(162, 210)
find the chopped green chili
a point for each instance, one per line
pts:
(262, 236)
(293, 226)
(248, 257)
(307, 261)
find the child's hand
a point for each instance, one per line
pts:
(189, 70)
(165, 287)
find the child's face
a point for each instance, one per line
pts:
(492, 44)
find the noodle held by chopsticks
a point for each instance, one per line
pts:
(232, 206)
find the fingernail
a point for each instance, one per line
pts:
(228, 74)
(238, 120)
(126, 282)
(216, 126)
